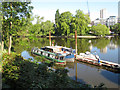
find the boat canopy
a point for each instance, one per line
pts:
(68, 49)
(54, 48)
(87, 52)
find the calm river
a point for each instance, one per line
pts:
(107, 49)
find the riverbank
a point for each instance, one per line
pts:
(20, 73)
(108, 36)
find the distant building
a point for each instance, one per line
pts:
(99, 21)
(103, 21)
(103, 14)
(96, 21)
(112, 20)
(119, 11)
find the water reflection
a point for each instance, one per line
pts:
(26, 55)
(107, 49)
(110, 76)
(94, 76)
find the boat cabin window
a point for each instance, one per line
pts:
(41, 52)
(61, 58)
(43, 48)
(87, 53)
(68, 54)
(37, 51)
(56, 57)
(48, 49)
(116, 65)
(48, 55)
(68, 50)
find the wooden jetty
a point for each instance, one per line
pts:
(115, 67)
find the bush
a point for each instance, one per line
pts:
(20, 73)
(100, 30)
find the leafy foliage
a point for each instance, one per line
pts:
(116, 28)
(100, 30)
(20, 73)
(15, 12)
(81, 21)
(15, 16)
(66, 23)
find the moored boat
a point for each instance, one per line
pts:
(95, 60)
(58, 52)
(49, 55)
(68, 53)
(88, 57)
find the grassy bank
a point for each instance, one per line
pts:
(20, 73)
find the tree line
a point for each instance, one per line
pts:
(17, 18)
(65, 24)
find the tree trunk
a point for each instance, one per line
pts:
(2, 46)
(50, 37)
(10, 39)
(10, 42)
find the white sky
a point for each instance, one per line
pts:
(47, 8)
(74, 0)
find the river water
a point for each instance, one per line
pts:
(107, 49)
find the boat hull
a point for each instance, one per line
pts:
(102, 63)
(70, 58)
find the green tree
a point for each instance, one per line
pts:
(39, 19)
(100, 30)
(116, 28)
(57, 26)
(81, 22)
(46, 27)
(13, 14)
(65, 21)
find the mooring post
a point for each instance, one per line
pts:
(50, 37)
(76, 42)
(76, 72)
(76, 52)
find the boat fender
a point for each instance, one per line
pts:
(64, 52)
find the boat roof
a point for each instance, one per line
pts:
(68, 48)
(53, 47)
(57, 47)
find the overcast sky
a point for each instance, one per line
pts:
(47, 8)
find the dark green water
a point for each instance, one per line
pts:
(107, 49)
